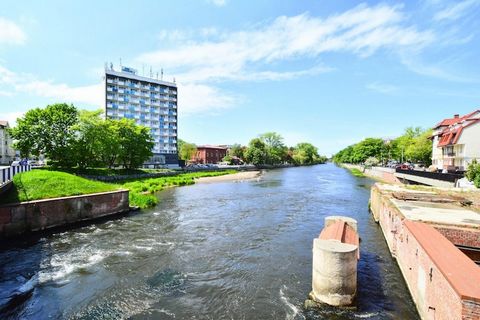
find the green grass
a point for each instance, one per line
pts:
(142, 191)
(357, 173)
(43, 184)
(105, 171)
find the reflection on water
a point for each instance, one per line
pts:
(207, 251)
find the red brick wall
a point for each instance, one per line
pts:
(435, 298)
(43, 214)
(459, 236)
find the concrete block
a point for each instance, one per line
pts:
(334, 272)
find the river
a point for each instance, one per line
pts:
(207, 251)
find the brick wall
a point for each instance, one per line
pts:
(16, 219)
(436, 276)
(461, 236)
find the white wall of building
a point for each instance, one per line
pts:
(470, 138)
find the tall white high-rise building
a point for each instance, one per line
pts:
(150, 102)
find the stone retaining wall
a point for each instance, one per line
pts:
(379, 173)
(25, 217)
(441, 279)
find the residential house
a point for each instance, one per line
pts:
(456, 141)
(209, 154)
(7, 153)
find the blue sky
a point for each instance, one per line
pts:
(327, 72)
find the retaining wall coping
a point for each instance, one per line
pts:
(461, 272)
(62, 198)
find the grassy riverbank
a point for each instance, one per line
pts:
(142, 191)
(356, 172)
(43, 184)
(46, 184)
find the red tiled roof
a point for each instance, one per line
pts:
(452, 121)
(461, 272)
(454, 127)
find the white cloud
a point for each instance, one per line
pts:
(382, 87)
(434, 71)
(218, 3)
(456, 10)
(252, 54)
(15, 83)
(11, 117)
(11, 33)
(361, 31)
(196, 98)
(91, 95)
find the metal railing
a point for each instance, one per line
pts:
(450, 177)
(7, 174)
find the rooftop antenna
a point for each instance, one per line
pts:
(120, 64)
(143, 69)
(161, 70)
(157, 75)
(106, 66)
(111, 66)
(151, 72)
(174, 80)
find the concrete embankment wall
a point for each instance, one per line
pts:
(378, 173)
(443, 281)
(24, 217)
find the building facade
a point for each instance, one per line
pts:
(151, 103)
(7, 153)
(209, 154)
(456, 141)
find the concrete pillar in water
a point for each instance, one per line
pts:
(335, 256)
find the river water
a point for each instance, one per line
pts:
(207, 251)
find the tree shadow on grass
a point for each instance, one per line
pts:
(15, 193)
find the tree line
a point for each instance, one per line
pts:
(414, 145)
(78, 138)
(266, 149)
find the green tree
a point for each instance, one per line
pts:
(88, 139)
(256, 152)
(305, 153)
(276, 151)
(370, 147)
(48, 131)
(135, 142)
(236, 150)
(186, 150)
(108, 142)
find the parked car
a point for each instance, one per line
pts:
(404, 166)
(15, 163)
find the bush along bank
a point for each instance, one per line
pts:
(142, 192)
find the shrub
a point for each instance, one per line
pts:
(473, 173)
(371, 161)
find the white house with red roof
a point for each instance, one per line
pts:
(456, 141)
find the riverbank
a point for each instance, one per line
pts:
(48, 184)
(236, 177)
(380, 174)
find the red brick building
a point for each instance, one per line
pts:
(209, 154)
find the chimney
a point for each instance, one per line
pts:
(456, 116)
